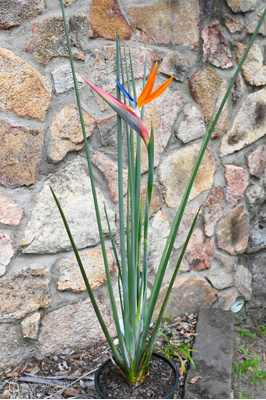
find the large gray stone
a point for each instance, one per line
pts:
(257, 266)
(46, 233)
(213, 361)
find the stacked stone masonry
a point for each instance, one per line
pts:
(43, 309)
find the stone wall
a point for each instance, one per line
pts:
(44, 308)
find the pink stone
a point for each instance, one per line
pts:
(257, 161)
(212, 210)
(199, 252)
(215, 47)
(10, 212)
(237, 182)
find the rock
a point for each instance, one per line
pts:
(221, 273)
(10, 212)
(20, 154)
(243, 280)
(187, 296)
(257, 264)
(257, 161)
(199, 252)
(226, 298)
(186, 222)
(108, 131)
(192, 126)
(70, 277)
(105, 67)
(159, 230)
(180, 27)
(238, 89)
(175, 65)
(249, 124)
(156, 199)
(105, 18)
(30, 326)
(253, 69)
(68, 3)
(45, 232)
(66, 132)
(23, 292)
(255, 195)
(207, 87)
(237, 182)
(215, 47)
(176, 169)
(161, 113)
(213, 210)
(13, 349)
(6, 252)
(232, 25)
(72, 326)
(257, 234)
(63, 80)
(233, 231)
(241, 5)
(24, 91)
(110, 171)
(14, 12)
(253, 22)
(213, 363)
(48, 38)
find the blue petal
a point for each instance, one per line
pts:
(126, 94)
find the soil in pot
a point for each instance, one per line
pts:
(158, 384)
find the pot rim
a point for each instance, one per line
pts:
(161, 356)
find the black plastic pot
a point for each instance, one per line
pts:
(170, 394)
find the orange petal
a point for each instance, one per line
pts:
(157, 92)
(148, 87)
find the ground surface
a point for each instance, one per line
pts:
(70, 375)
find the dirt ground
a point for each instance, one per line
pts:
(71, 374)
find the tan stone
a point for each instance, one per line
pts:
(221, 273)
(161, 114)
(243, 282)
(106, 18)
(48, 38)
(105, 67)
(207, 87)
(175, 65)
(30, 326)
(253, 20)
(70, 277)
(13, 349)
(226, 298)
(241, 5)
(110, 172)
(257, 161)
(14, 12)
(253, 69)
(20, 154)
(249, 124)
(177, 167)
(10, 212)
(232, 25)
(23, 292)
(6, 252)
(233, 231)
(213, 210)
(24, 91)
(199, 252)
(237, 182)
(186, 222)
(66, 132)
(156, 199)
(187, 296)
(180, 22)
(72, 326)
(192, 126)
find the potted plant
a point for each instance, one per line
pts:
(132, 357)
